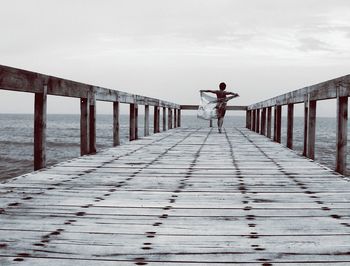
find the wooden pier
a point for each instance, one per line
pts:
(182, 197)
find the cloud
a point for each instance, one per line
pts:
(309, 44)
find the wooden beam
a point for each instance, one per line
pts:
(84, 126)
(116, 134)
(228, 108)
(306, 114)
(164, 119)
(146, 121)
(40, 117)
(290, 122)
(278, 123)
(248, 118)
(136, 121)
(342, 133)
(92, 124)
(254, 120)
(156, 119)
(179, 117)
(170, 118)
(26, 81)
(321, 91)
(257, 119)
(175, 118)
(263, 122)
(269, 118)
(311, 131)
(132, 122)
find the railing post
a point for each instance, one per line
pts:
(136, 121)
(156, 119)
(132, 122)
(170, 119)
(311, 130)
(263, 122)
(342, 133)
(40, 117)
(254, 120)
(164, 119)
(84, 125)
(175, 120)
(211, 123)
(92, 124)
(116, 135)
(257, 121)
(278, 124)
(290, 122)
(158, 124)
(247, 119)
(269, 118)
(306, 114)
(146, 122)
(179, 117)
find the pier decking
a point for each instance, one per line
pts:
(182, 197)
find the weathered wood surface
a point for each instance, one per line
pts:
(331, 89)
(181, 197)
(26, 81)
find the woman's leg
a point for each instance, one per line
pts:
(220, 122)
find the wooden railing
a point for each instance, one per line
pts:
(42, 85)
(259, 116)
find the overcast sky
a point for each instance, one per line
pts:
(172, 49)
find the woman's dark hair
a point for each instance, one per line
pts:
(222, 86)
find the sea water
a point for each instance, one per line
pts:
(63, 138)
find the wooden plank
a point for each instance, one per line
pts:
(311, 130)
(321, 91)
(84, 126)
(26, 81)
(182, 197)
(40, 118)
(146, 122)
(342, 132)
(116, 124)
(290, 120)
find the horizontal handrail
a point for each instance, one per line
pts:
(330, 89)
(230, 108)
(26, 81)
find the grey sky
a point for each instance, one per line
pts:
(172, 49)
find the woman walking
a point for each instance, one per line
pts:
(221, 102)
